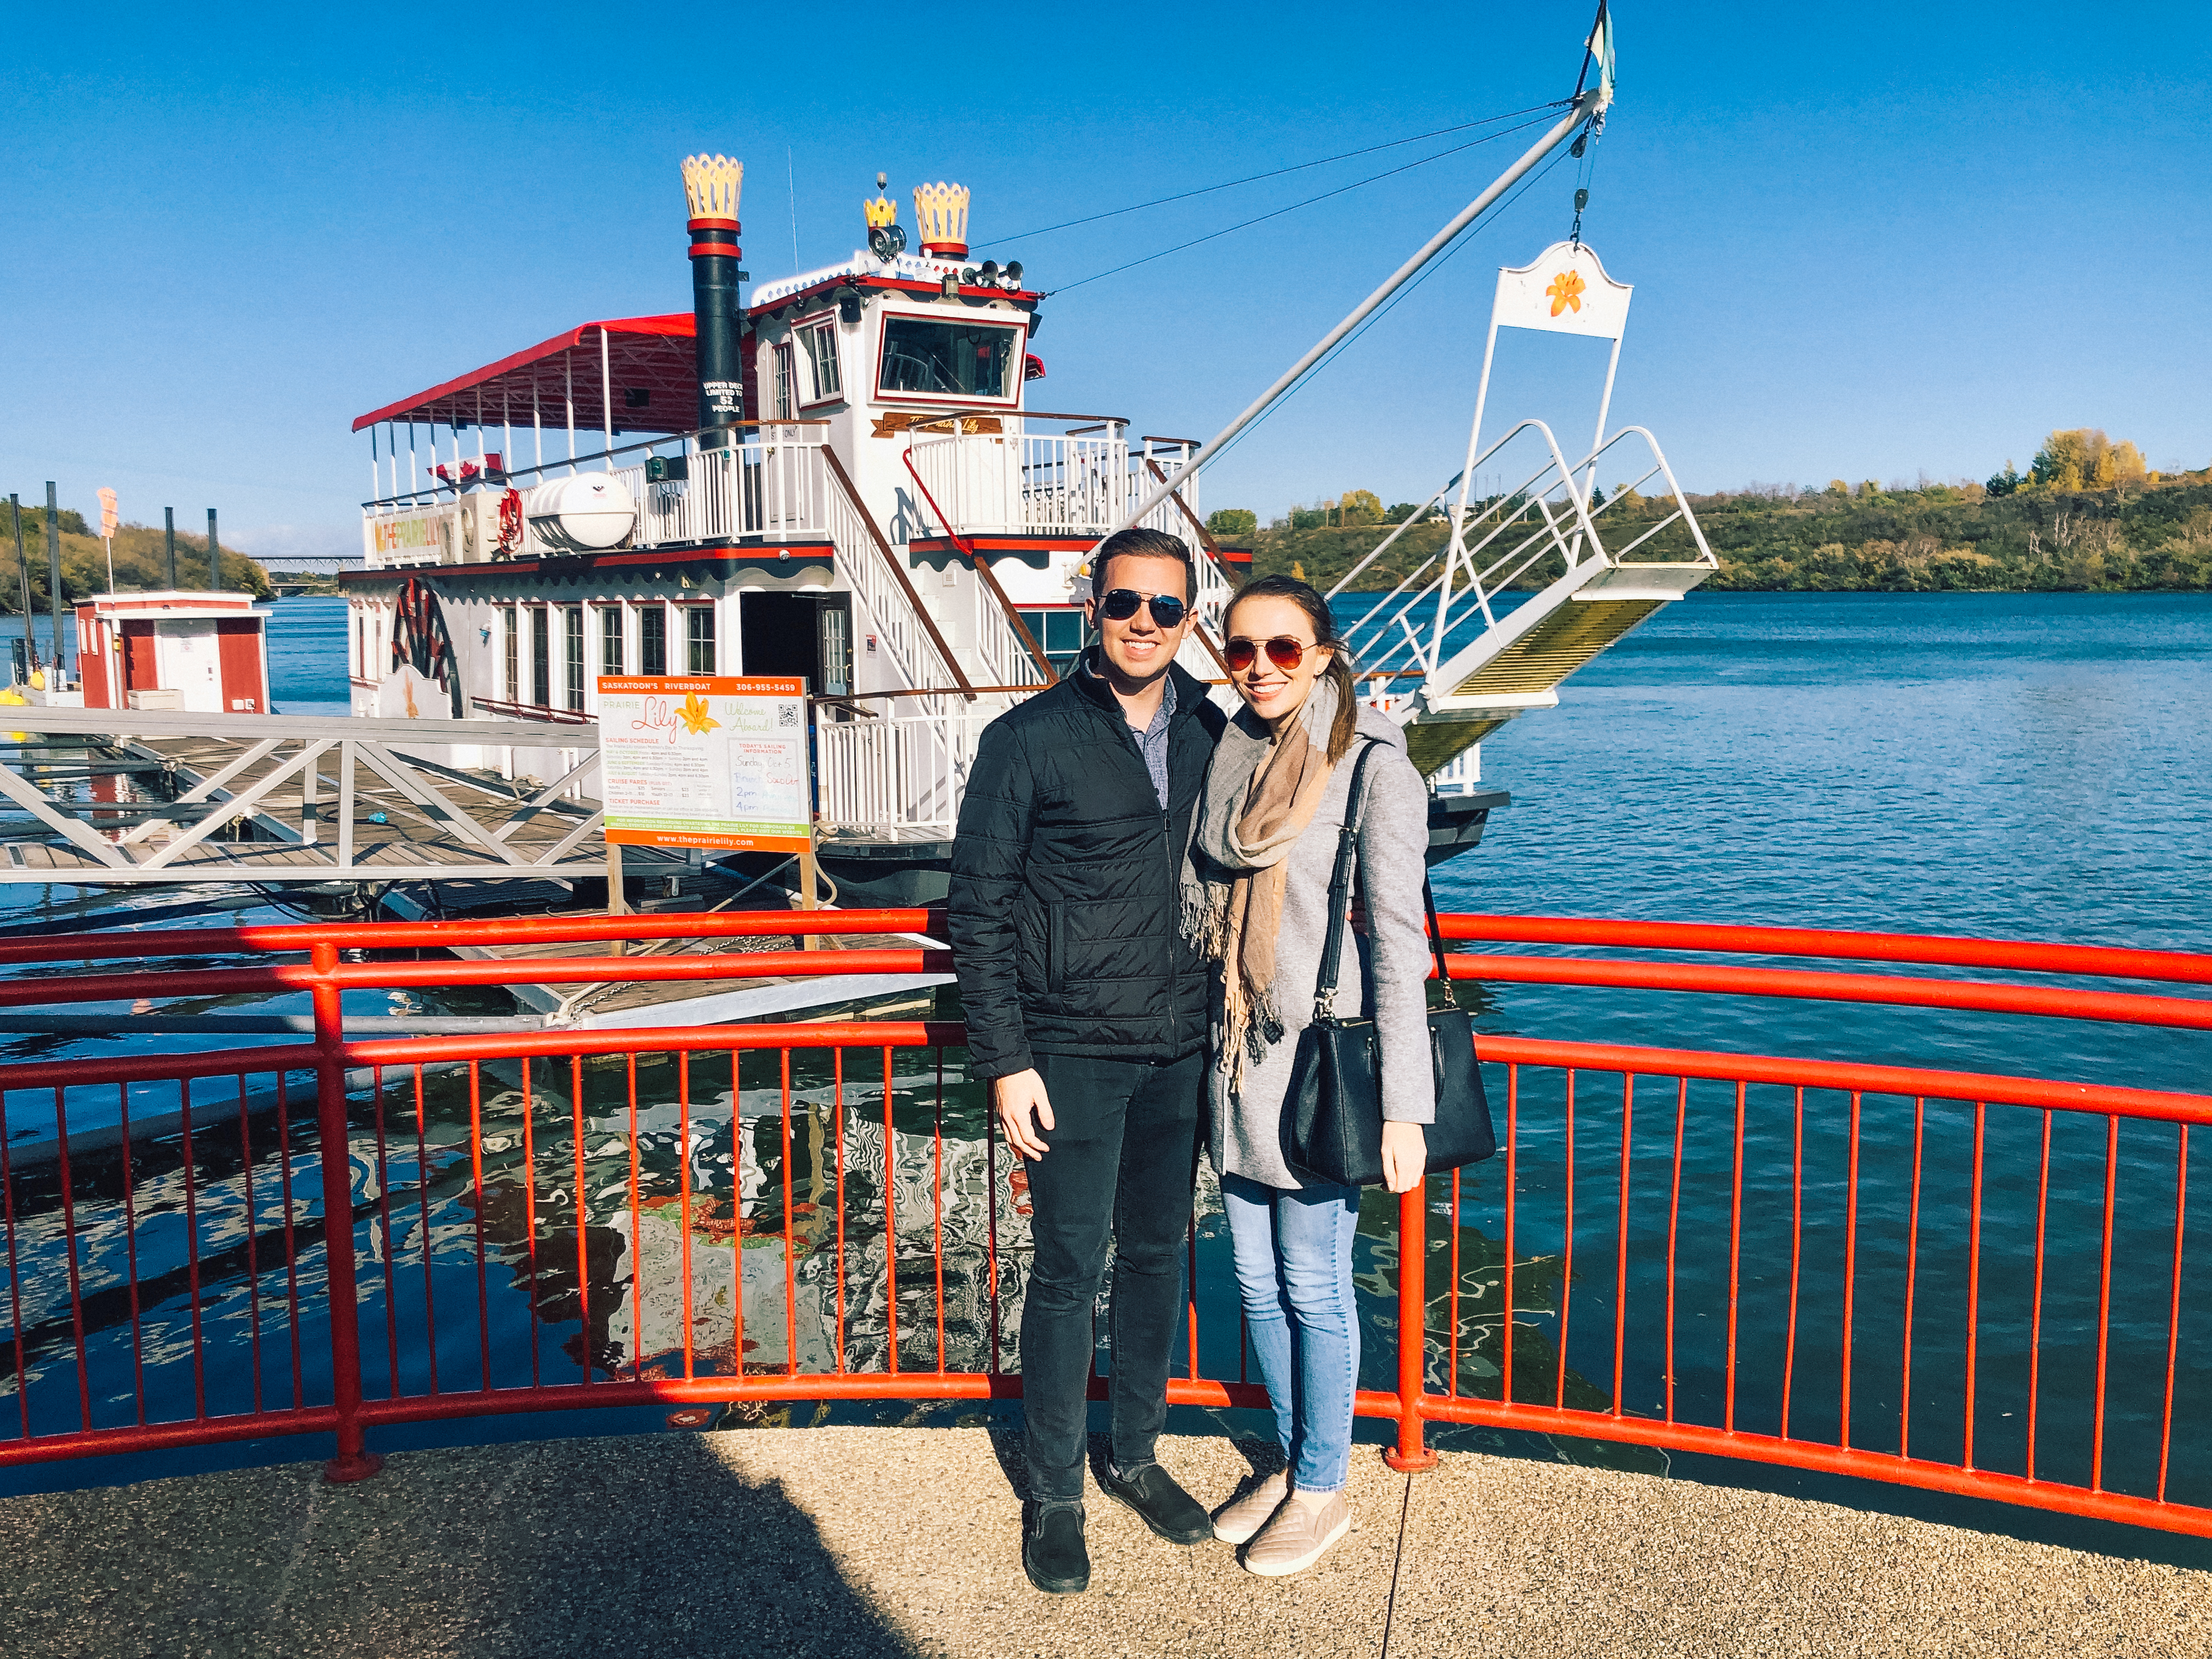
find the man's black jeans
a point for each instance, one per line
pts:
(1120, 1163)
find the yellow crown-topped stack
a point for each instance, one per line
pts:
(712, 185)
(940, 212)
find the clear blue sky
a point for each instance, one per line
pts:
(1867, 240)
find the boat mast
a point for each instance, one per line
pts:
(1586, 106)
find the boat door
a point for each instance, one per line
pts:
(238, 646)
(804, 636)
(140, 672)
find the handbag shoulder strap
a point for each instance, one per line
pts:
(1339, 886)
(1437, 941)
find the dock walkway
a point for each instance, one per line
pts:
(396, 841)
(891, 1543)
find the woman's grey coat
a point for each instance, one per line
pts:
(1382, 976)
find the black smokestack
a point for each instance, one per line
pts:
(711, 186)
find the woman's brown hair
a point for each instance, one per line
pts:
(1339, 672)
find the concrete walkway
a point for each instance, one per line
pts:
(870, 1543)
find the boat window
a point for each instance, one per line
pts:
(572, 638)
(541, 657)
(949, 360)
(651, 639)
(699, 637)
(1061, 634)
(787, 396)
(610, 639)
(511, 689)
(822, 357)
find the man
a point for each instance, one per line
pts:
(1086, 1012)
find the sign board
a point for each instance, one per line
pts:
(695, 761)
(1565, 291)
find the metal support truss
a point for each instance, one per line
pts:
(263, 810)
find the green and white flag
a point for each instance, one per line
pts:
(1600, 51)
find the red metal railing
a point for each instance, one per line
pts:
(1959, 1281)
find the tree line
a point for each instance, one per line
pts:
(2087, 516)
(141, 563)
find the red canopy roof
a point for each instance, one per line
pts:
(650, 356)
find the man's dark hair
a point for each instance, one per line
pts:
(1143, 544)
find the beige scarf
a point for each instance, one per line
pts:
(1262, 793)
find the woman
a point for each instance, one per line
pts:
(1263, 850)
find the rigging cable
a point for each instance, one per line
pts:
(1345, 344)
(1279, 212)
(1278, 172)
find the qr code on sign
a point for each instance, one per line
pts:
(788, 715)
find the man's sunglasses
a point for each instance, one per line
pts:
(1283, 651)
(1121, 603)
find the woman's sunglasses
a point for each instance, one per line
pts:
(1121, 603)
(1283, 651)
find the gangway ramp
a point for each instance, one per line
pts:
(1462, 690)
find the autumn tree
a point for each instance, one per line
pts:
(1359, 507)
(2085, 459)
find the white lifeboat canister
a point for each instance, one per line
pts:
(587, 513)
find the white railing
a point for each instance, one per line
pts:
(1003, 659)
(1171, 459)
(770, 486)
(1071, 484)
(773, 485)
(885, 610)
(898, 777)
(1008, 483)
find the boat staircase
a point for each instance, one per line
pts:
(892, 757)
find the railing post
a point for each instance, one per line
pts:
(1412, 1453)
(353, 1462)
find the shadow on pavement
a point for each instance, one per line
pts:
(571, 1548)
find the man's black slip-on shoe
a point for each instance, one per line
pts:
(1053, 1553)
(1160, 1504)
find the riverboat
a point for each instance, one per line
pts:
(846, 479)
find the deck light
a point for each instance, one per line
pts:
(885, 238)
(988, 271)
(1013, 273)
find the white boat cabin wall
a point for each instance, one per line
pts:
(893, 520)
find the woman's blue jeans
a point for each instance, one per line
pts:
(1294, 1268)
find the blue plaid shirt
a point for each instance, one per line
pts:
(1153, 742)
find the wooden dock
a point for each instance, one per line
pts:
(141, 792)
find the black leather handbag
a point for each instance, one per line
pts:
(1333, 1114)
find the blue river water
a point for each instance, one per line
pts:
(2015, 766)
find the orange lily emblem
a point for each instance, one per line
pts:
(1565, 292)
(696, 721)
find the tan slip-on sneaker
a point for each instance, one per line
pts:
(1297, 1536)
(1241, 1518)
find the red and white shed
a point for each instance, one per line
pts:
(202, 653)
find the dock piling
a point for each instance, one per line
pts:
(53, 575)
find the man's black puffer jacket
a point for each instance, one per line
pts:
(1066, 883)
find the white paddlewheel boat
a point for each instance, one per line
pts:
(844, 478)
